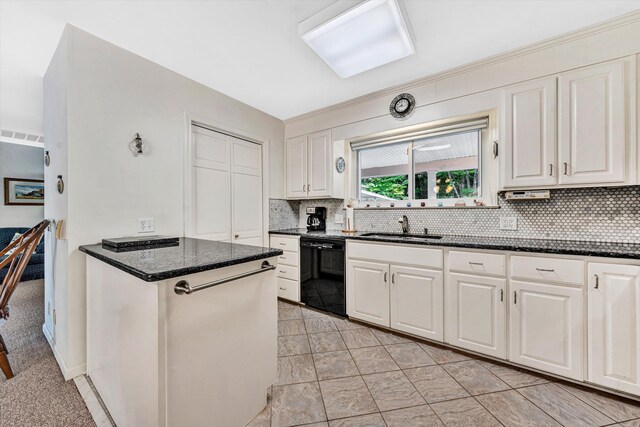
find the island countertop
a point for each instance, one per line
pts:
(188, 256)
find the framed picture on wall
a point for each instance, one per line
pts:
(23, 192)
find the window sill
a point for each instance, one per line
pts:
(370, 208)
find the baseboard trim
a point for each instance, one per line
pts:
(67, 373)
(93, 401)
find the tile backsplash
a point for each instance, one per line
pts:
(283, 214)
(603, 214)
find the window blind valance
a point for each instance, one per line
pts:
(466, 126)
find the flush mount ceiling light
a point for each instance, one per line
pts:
(352, 39)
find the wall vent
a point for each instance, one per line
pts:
(15, 137)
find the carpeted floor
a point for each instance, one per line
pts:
(38, 394)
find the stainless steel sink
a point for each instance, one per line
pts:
(415, 237)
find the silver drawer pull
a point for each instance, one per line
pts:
(283, 289)
(183, 287)
(545, 270)
(283, 272)
(476, 263)
(282, 244)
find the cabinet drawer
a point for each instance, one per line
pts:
(477, 263)
(548, 269)
(289, 258)
(287, 272)
(290, 244)
(288, 289)
(396, 254)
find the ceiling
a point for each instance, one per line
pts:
(251, 51)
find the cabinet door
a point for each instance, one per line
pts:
(319, 165)
(417, 301)
(614, 326)
(476, 315)
(296, 171)
(591, 123)
(368, 291)
(529, 149)
(546, 328)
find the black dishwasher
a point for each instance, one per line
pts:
(322, 274)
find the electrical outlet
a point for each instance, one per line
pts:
(146, 225)
(508, 223)
(339, 218)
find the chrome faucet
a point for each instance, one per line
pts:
(405, 224)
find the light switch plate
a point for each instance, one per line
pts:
(508, 223)
(339, 219)
(146, 225)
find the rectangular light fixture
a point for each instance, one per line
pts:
(353, 39)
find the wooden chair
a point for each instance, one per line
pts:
(16, 262)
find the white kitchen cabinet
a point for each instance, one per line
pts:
(476, 313)
(529, 149)
(310, 167)
(288, 270)
(546, 327)
(591, 125)
(417, 301)
(614, 326)
(368, 291)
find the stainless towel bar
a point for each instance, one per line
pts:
(183, 287)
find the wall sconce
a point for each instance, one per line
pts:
(136, 145)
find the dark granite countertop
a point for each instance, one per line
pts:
(160, 262)
(547, 246)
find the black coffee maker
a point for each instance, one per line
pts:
(316, 218)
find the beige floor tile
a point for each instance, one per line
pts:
(347, 397)
(290, 345)
(308, 313)
(513, 377)
(319, 324)
(443, 355)
(296, 369)
(387, 338)
(392, 390)
(464, 413)
(632, 423)
(291, 327)
(409, 355)
(358, 338)
(435, 384)
(371, 420)
(335, 364)
(263, 419)
(346, 324)
(612, 406)
(297, 404)
(512, 409)
(474, 378)
(417, 416)
(371, 360)
(289, 313)
(326, 341)
(563, 406)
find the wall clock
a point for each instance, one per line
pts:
(402, 105)
(340, 165)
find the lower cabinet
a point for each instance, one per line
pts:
(614, 326)
(546, 327)
(476, 314)
(407, 299)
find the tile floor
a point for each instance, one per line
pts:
(337, 373)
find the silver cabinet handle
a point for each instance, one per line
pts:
(393, 278)
(597, 285)
(566, 168)
(545, 270)
(385, 277)
(283, 289)
(236, 236)
(283, 272)
(550, 169)
(304, 188)
(283, 244)
(183, 287)
(515, 297)
(501, 295)
(476, 263)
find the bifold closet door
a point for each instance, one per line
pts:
(246, 197)
(209, 215)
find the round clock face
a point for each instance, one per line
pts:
(402, 105)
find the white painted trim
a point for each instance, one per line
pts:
(190, 118)
(67, 373)
(89, 395)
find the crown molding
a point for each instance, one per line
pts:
(621, 21)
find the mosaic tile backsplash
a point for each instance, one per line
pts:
(283, 214)
(601, 214)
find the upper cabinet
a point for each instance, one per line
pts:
(571, 130)
(311, 167)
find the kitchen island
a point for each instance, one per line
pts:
(182, 334)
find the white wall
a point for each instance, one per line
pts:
(112, 94)
(20, 161)
(21, 102)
